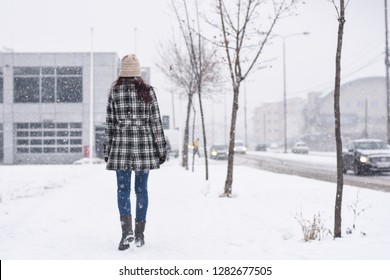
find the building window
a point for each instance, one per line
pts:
(48, 138)
(26, 90)
(69, 89)
(48, 89)
(48, 84)
(360, 104)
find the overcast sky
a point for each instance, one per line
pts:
(64, 26)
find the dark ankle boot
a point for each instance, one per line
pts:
(127, 233)
(139, 234)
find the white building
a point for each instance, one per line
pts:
(362, 108)
(269, 122)
(45, 101)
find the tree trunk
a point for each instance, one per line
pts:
(204, 134)
(340, 163)
(387, 64)
(186, 133)
(232, 135)
(193, 139)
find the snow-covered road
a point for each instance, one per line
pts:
(315, 165)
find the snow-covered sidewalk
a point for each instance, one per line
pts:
(69, 212)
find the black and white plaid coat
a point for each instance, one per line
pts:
(134, 136)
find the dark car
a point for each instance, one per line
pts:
(364, 155)
(219, 151)
(261, 147)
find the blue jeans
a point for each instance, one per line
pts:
(123, 178)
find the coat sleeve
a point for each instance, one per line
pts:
(110, 125)
(156, 126)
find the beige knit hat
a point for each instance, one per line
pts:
(130, 66)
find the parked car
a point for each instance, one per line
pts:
(364, 155)
(261, 147)
(300, 148)
(219, 151)
(239, 147)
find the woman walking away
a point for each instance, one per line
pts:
(134, 141)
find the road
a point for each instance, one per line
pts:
(319, 166)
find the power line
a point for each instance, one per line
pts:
(328, 84)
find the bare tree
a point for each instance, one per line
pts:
(244, 36)
(203, 61)
(176, 66)
(340, 9)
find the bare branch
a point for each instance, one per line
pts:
(226, 41)
(279, 11)
(229, 21)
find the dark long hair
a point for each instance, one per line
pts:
(142, 89)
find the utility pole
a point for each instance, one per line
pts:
(135, 40)
(387, 76)
(285, 86)
(284, 96)
(91, 123)
(365, 131)
(265, 129)
(173, 111)
(225, 135)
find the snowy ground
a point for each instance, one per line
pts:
(69, 212)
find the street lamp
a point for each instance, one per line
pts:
(284, 84)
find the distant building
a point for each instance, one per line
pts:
(363, 114)
(269, 122)
(45, 101)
